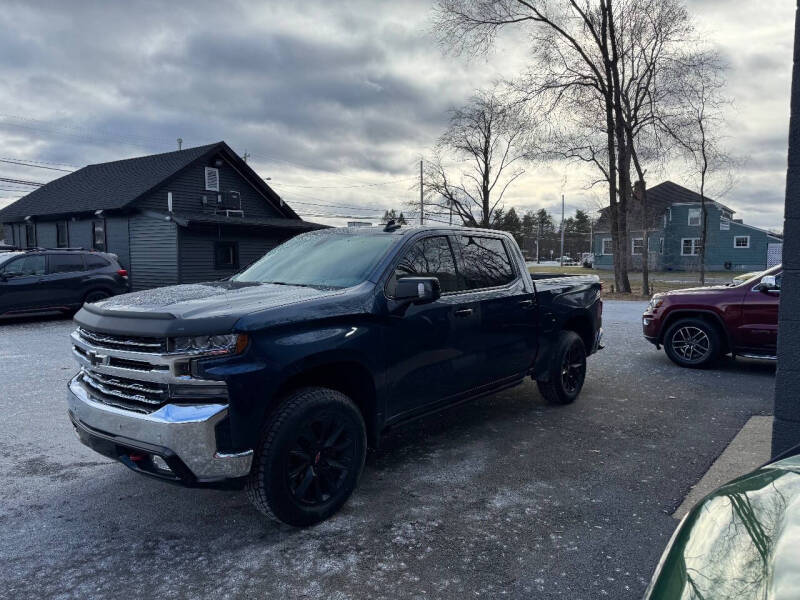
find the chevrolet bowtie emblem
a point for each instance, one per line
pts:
(97, 359)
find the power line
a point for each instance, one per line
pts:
(14, 162)
(39, 162)
(343, 187)
(21, 181)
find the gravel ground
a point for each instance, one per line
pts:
(504, 496)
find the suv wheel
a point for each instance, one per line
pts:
(692, 343)
(567, 370)
(95, 296)
(310, 457)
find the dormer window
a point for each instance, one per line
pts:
(212, 179)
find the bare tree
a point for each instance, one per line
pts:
(599, 69)
(695, 126)
(577, 64)
(485, 138)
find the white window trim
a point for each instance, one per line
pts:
(695, 246)
(603, 247)
(747, 237)
(690, 212)
(215, 172)
(633, 246)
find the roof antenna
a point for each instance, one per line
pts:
(391, 226)
(180, 143)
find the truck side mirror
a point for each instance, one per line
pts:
(768, 283)
(418, 290)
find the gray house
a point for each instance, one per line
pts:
(181, 217)
(674, 226)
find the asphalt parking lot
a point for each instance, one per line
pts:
(502, 497)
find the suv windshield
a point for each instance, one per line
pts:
(331, 260)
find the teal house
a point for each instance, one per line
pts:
(674, 227)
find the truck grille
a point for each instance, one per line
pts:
(126, 393)
(123, 342)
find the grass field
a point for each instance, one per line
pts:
(660, 281)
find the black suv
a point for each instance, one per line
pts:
(44, 280)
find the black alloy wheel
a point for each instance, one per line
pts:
(567, 371)
(573, 368)
(320, 459)
(310, 457)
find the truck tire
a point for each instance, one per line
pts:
(567, 370)
(95, 296)
(309, 458)
(692, 342)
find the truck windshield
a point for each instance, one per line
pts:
(331, 260)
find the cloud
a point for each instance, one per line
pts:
(327, 96)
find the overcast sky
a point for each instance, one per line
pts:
(335, 101)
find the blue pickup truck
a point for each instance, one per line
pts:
(279, 378)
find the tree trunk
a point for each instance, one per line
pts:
(623, 157)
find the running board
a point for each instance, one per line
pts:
(758, 356)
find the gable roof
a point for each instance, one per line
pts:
(659, 198)
(115, 185)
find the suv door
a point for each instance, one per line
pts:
(506, 340)
(759, 325)
(20, 283)
(426, 347)
(65, 278)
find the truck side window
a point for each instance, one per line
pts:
(428, 257)
(486, 262)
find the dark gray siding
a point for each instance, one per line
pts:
(117, 239)
(188, 188)
(80, 233)
(46, 234)
(153, 252)
(197, 251)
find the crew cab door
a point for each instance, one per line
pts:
(427, 346)
(505, 341)
(20, 280)
(758, 330)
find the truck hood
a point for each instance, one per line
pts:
(207, 308)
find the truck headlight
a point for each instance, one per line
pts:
(231, 343)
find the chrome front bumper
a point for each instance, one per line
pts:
(184, 431)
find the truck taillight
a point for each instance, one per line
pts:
(122, 273)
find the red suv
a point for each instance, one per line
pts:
(697, 325)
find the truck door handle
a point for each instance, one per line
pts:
(463, 312)
(526, 303)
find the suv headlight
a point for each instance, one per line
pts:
(231, 343)
(655, 302)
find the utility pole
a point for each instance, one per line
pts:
(561, 259)
(245, 156)
(180, 143)
(421, 207)
(538, 239)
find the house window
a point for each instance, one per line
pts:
(212, 179)
(226, 255)
(637, 246)
(99, 235)
(62, 238)
(690, 247)
(661, 245)
(607, 247)
(741, 241)
(694, 217)
(30, 234)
